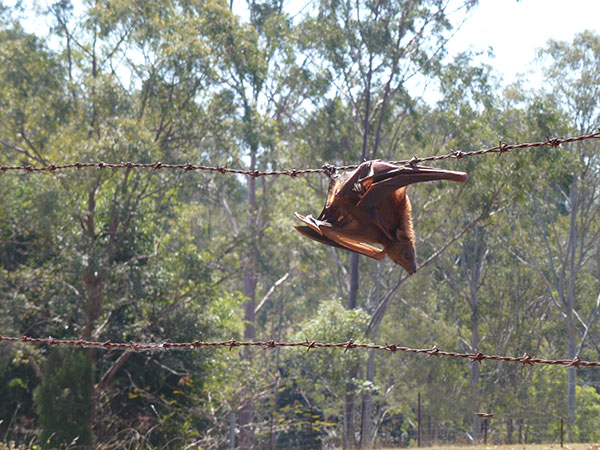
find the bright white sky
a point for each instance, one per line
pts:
(513, 29)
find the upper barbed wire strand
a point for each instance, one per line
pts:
(526, 359)
(326, 168)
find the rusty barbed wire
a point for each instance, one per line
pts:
(326, 168)
(526, 359)
(500, 149)
(186, 167)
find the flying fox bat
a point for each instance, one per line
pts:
(370, 206)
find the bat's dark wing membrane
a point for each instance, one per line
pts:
(353, 215)
(354, 245)
(386, 178)
(325, 233)
(310, 233)
(347, 184)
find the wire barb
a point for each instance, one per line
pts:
(526, 359)
(327, 169)
(166, 345)
(433, 352)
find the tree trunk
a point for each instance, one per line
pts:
(349, 397)
(475, 366)
(474, 255)
(354, 281)
(366, 419)
(349, 394)
(570, 300)
(571, 383)
(250, 281)
(475, 373)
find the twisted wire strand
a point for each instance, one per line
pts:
(500, 149)
(526, 359)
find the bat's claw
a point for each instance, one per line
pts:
(310, 221)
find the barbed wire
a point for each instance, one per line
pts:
(526, 359)
(501, 148)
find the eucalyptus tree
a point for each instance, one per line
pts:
(124, 82)
(260, 71)
(560, 235)
(370, 50)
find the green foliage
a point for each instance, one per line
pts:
(574, 73)
(63, 399)
(323, 374)
(588, 412)
(133, 255)
(333, 323)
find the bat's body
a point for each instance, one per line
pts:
(370, 206)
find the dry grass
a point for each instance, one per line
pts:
(516, 447)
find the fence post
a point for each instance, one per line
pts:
(485, 417)
(485, 422)
(562, 432)
(419, 419)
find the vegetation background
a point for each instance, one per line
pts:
(140, 255)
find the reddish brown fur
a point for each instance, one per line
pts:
(371, 206)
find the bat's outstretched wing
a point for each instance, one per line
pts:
(384, 178)
(324, 233)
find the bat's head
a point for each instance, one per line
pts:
(402, 251)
